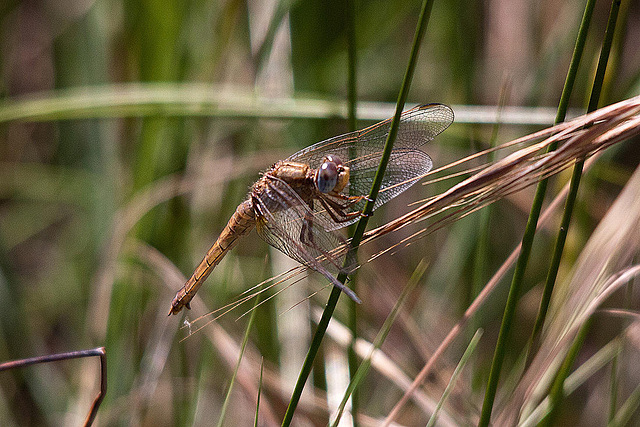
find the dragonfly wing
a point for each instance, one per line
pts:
(362, 150)
(287, 223)
(418, 126)
(405, 168)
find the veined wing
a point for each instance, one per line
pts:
(417, 127)
(361, 151)
(287, 223)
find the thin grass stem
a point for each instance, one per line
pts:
(575, 183)
(463, 362)
(363, 369)
(628, 408)
(368, 208)
(227, 398)
(613, 390)
(529, 233)
(557, 393)
(255, 421)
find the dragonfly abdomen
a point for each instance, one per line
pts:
(241, 223)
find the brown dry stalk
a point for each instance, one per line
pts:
(608, 126)
(602, 268)
(577, 139)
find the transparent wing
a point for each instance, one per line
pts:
(361, 151)
(287, 223)
(417, 127)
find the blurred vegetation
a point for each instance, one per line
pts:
(100, 214)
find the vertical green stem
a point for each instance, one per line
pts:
(359, 375)
(613, 389)
(311, 354)
(255, 420)
(557, 389)
(604, 56)
(245, 339)
(352, 82)
(575, 183)
(529, 233)
(362, 224)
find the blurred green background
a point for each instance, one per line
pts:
(126, 144)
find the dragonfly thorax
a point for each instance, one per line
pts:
(332, 175)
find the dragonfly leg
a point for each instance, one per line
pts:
(336, 210)
(307, 238)
(306, 234)
(350, 199)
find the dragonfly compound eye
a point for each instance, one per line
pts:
(327, 176)
(334, 159)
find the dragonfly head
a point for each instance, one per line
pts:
(332, 175)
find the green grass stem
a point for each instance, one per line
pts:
(530, 229)
(628, 408)
(613, 390)
(556, 394)
(255, 421)
(311, 354)
(575, 184)
(363, 369)
(227, 398)
(463, 362)
(362, 224)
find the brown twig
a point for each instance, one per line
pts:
(98, 351)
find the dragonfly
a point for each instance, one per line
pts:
(300, 203)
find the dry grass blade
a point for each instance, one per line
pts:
(603, 267)
(384, 365)
(577, 139)
(613, 124)
(578, 377)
